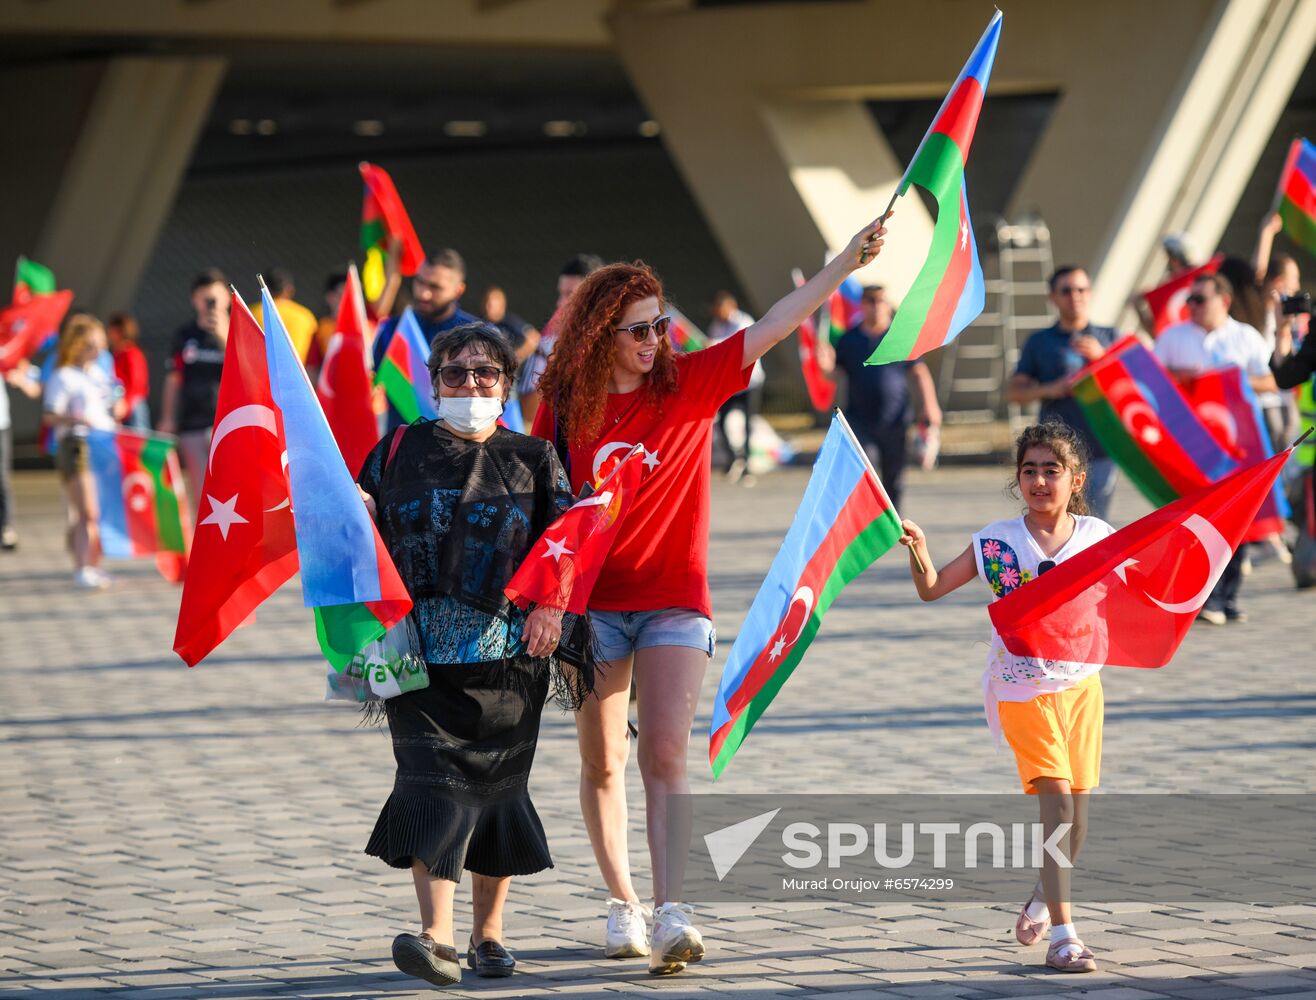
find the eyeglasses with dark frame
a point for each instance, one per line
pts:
(640, 331)
(454, 376)
(1196, 299)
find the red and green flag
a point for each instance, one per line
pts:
(949, 292)
(1147, 425)
(686, 337)
(384, 219)
(143, 508)
(404, 372)
(1296, 195)
(844, 523)
(36, 278)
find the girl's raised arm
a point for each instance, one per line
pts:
(931, 583)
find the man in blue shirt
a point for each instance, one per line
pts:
(1049, 360)
(877, 399)
(435, 291)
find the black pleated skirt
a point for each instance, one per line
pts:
(464, 746)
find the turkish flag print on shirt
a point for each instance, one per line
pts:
(1129, 599)
(660, 556)
(244, 547)
(563, 565)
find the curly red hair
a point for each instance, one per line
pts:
(576, 379)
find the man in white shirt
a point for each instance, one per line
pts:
(1212, 339)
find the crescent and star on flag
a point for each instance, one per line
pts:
(804, 595)
(223, 513)
(1218, 552)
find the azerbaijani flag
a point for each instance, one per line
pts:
(948, 293)
(686, 337)
(384, 218)
(842, 310)
(1226, 404)
(844, 523)
(347, 574)
(1297, 194)
(1147, 425)
(404, 373)
(143, 508)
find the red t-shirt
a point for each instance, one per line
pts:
(130, 369)
(660, 557)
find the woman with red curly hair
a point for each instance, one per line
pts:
(613, 382)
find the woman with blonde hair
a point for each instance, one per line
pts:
(79, 398)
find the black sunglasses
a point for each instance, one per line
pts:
(454, 376)
(1195, 300)
(1045, 566)
(640, 331)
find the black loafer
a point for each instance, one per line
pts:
(489, 959)
(421, 956)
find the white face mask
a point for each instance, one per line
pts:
(469, 414)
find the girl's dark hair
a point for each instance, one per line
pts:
(488, 338)
(1065, 444)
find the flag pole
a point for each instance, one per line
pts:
(845, 425)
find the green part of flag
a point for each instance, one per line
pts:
(374, 233)
(168, 517)
(344, 630)
(1120, 445)
(874, 541)
(38, 278)
(1300, 226)
(939, 170)
(399, 390)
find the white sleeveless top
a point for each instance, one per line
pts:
(1008, 556)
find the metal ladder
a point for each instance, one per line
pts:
(971, 380)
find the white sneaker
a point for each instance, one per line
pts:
(88, 578)
(675, 940)
(628, 933)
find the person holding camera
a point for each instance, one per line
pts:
(191, 386)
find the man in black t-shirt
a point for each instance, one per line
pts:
(191, 385)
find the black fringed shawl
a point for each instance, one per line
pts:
(458, 517)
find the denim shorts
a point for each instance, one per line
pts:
(619, 633)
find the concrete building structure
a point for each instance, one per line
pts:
(1148, 118)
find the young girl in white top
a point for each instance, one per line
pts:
(1050, 712)
(80, 398)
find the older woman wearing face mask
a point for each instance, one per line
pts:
(459, 501)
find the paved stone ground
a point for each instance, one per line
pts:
(176, 833)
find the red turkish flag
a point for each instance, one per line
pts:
(1168, 302)
(822, 391)
(244, 546)
(1129, 600)
(27, 321)
(344, 386)
(565, 562)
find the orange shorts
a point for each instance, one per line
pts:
(1057, 735)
